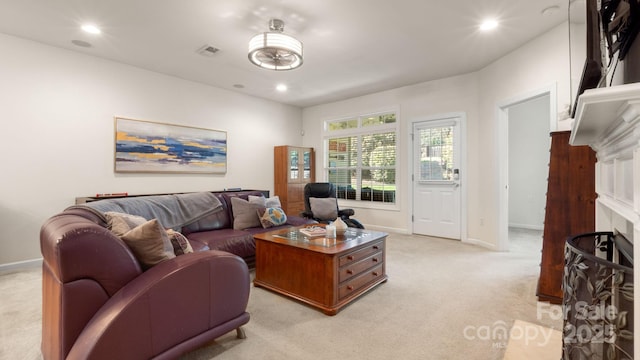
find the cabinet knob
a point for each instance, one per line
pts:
(349, 271)
(349, 257)
(374, 259)
(375, 273)
(349, 287)
(375, 247)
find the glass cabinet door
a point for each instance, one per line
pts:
(307, 165)
(293, 164)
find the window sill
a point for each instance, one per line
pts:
(355, 204)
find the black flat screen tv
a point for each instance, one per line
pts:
(615, 24)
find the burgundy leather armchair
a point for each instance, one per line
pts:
(99, 304)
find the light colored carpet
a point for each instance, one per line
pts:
(20, 314)
(440, 302)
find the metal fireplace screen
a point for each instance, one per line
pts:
(598, 297)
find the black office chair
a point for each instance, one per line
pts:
(326, 192)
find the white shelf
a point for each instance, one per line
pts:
(600, 110)
(623, 210)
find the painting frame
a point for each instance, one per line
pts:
(143, 146)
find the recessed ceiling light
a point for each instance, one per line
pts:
(488, 24)
(281, 87)
(91, 29)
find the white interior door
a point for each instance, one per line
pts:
(436, 179)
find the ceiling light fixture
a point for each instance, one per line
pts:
(91, 29)
(281, 87)
(489, 25)
(274, 50)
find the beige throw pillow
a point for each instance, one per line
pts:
(120, 223)
(272, 202)
(258, 200)
(150, 243)
(324, 208)
(245, 214)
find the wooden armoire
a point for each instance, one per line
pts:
(294, 167)
(570, 209)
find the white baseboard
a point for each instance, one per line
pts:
(527, 226)
(20, 265)
(480, 243)
(387, 229)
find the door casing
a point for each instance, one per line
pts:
(462, 166)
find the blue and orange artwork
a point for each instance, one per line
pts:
(144, 146)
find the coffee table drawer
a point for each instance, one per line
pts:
(353, 269)
(327, 277)
(360, 254)
(352, 286)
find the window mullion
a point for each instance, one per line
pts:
(359, 169)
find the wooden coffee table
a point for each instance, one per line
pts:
(325, 273)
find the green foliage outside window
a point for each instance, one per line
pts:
(363, 165)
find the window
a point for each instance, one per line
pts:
(361, 157)
(436, 153)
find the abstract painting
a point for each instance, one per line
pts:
(145, 146)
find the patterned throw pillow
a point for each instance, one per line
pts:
(180, 243)
(272, 216)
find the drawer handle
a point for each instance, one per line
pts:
(375, 273)
(349, 271)
(349, 257)
(349, 287)
(375, 247)
(374, 259)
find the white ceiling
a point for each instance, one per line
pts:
(351, 47)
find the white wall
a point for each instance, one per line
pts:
(578, 54)
(529, 144)
(541, 62)
(456, 94)
(58, 108)
(58, 134)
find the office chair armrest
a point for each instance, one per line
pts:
(346, 212)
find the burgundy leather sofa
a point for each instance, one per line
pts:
(216, 231)
(98, 303)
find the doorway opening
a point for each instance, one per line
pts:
(524, 124)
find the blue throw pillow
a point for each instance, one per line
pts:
(272, 216)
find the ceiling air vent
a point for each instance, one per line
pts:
(207, 50)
